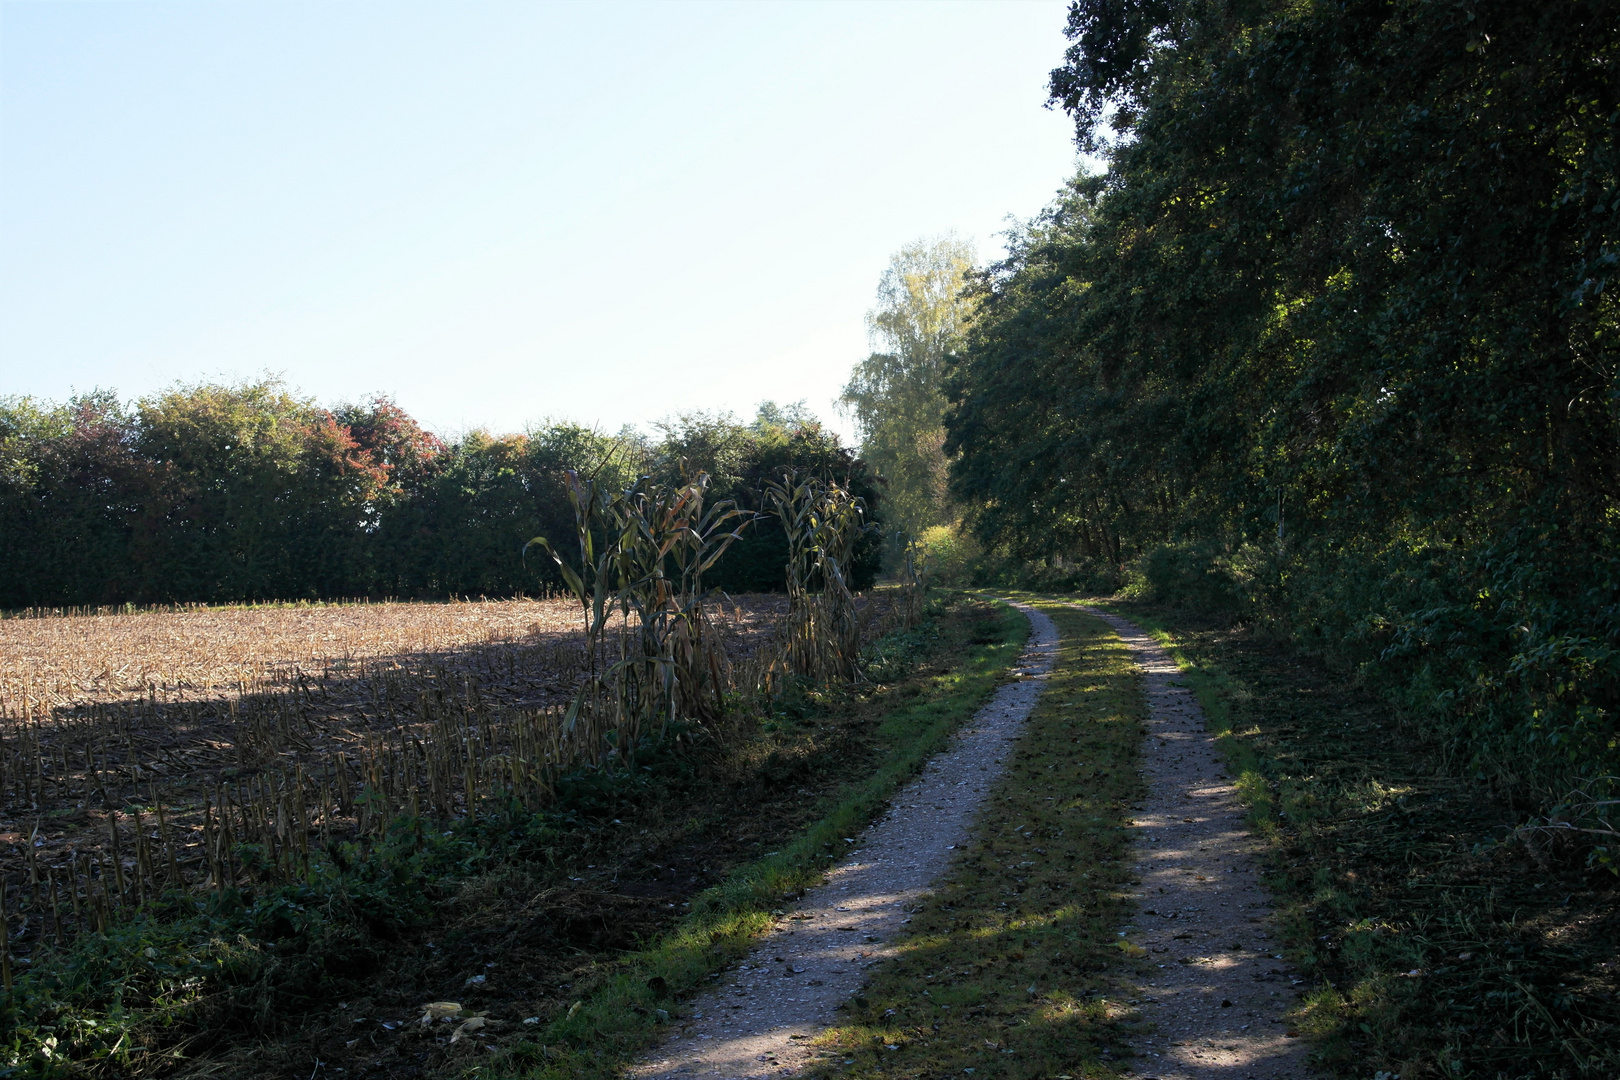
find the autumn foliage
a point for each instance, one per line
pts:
(226, 493)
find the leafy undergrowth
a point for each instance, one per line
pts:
(1007, 971)
(1438, 949)
(560, 918)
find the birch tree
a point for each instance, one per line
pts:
(896, 396)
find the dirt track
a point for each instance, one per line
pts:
(1216, 997)
(1219, 989)
(754, 1023)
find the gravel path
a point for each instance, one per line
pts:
(754, 1022)
(1218, 992)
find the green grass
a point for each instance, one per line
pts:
(1436, 948)
(1010, 969)
(622, 1007)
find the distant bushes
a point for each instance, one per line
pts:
(954, 555)
(250, 492)
(1508, 655)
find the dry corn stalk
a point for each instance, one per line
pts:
(823, 521)
(643, 552)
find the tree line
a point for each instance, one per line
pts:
(1330, 345)
(229, 493)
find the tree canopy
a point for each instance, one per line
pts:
(216, 492)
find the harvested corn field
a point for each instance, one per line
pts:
(140, 752)
(53, 662)
(215, 949)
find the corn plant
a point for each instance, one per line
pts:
(910, 584)
(643, 552)
(823, 521)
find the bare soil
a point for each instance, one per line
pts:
(101, 711)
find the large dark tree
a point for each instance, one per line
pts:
(1332, 343)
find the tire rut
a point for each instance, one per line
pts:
(1219, 989)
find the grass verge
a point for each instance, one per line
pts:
(1436, 948)
(622, 1006)
(1007, 970)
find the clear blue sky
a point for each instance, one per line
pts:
(498, 212)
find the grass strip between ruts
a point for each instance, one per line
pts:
(627, 1007)
(1008, 970)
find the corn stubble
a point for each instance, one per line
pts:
(178, 786)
